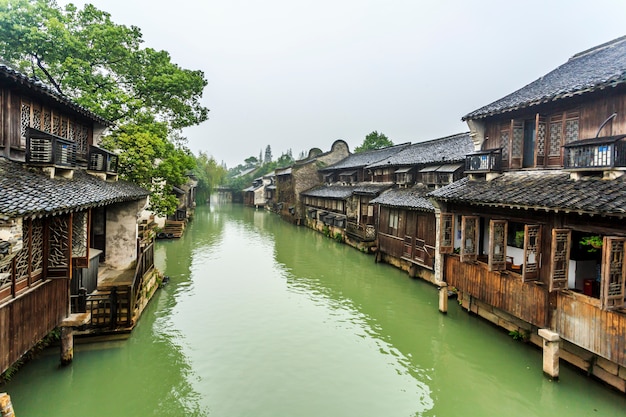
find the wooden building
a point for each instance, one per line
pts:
(301, 176)
(534, 237)
(406, 227)
(64, 217)
(341, 204)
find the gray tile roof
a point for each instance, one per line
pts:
(452, 148)
(38, 87)
(25, 192)
(544, 190)
(407, 198)
(338, 191)
(362, 159)
(597, 68)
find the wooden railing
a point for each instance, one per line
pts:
(601, 153)
(484, 161)
(414, 250)
(505, 291)
(364, 232)
(107, 309)
(145, 263)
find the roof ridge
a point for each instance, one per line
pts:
(598, 47)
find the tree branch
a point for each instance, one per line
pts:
(48, 76)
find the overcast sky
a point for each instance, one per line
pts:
(298, 74)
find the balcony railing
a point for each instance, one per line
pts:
(102, 160)
(484, 161)
(596, 153)
(46, 149)
(364, 232)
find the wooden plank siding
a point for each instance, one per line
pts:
(25, 320)
(505, 291)
(580, 320)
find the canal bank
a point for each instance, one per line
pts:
(263, 318)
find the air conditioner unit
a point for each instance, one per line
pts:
(478, 162)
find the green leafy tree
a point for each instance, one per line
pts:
(209, 174)
(102, 66)
(372, 141)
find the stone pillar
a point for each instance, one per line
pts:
(443, 297)
(550, 353)
(67, 345)
(6, 408)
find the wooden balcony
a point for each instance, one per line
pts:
(597, 153)
(102, 160)
(49, 150)
(363, 232)
(484, 161)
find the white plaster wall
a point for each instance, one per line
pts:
(122, 233)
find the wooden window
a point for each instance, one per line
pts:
(559, 256)
(497, 245)
(532, 252)
(541, 141)
(469, 236)
(517, 143)
(446, 233)
(393, 222)
(613, 273)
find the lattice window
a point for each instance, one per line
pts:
(504, 143)
(63, 127)
(497, 245)
(446, 235)
(72, 131)
(79, 234)
(37, 246)
(25, 120)
(6, 269)
(613, 273)
(518, 141)
(36, 117)
(469, 236)
(58, 243)
(541, 138)
(532, 252)
(571, 130)
(556, 133)
(22, 259)
(82, 137)
(47, 121)
(56, 125)
(559, 256)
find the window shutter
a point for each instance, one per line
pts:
(497, 245)
(469, 237)
(540, 146)
(559, 256)
(517, 143)
(532, 252)
(613, 273)
(446, 233)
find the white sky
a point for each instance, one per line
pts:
(298, 74)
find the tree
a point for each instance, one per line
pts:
(209, 174)
(84, 55)
(251, 162)
(372, 141)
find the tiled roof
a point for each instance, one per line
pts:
(25, 192)
(408, 198)
(330, 191)
(372, 188)
(452, 148)
(545, 190)
(597, 68)
(39, 87)
(362, 159)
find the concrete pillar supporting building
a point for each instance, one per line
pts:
(443, 297)
(6, 408)
(550, 353)
(67, 345)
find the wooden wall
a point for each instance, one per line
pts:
(580, 320)
(25, 320)
(527, 301)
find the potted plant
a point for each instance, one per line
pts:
(593, 242)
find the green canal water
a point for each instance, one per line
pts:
(262, 318)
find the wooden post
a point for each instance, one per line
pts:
(550, 353)
(443, 297)
(6, 408)
(67, 345)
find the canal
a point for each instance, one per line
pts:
(262, 318)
